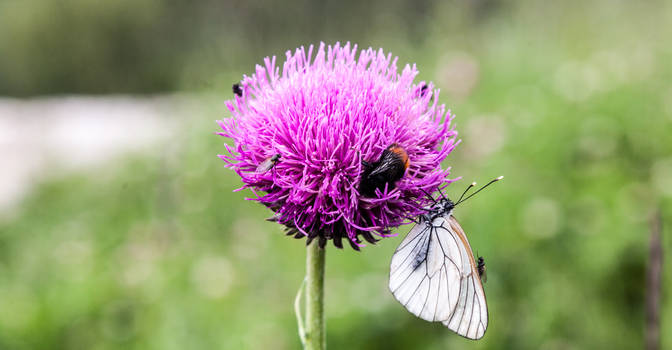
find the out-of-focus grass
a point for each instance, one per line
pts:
(157, 252)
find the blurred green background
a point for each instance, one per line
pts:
(151, 249)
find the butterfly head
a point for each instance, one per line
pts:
(444, 205)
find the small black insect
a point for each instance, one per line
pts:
(423, 90)
(237, 90)
(387, 170)
(268, 164)
(481, 269)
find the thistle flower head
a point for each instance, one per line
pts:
(303, 132)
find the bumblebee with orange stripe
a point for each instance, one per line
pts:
(387, 170)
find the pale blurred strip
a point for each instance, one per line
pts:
(46, 136)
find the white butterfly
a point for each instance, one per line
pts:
(435, 276)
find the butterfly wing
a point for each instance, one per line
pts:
(424, 276)
(470, 318)
(433, 275)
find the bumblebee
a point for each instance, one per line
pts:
(387, 170)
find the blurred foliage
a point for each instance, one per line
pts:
(571, 101)
(146, 46)
(151, 45)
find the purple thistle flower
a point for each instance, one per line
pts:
(318, 119)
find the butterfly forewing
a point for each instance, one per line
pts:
(420, 275)
(434, 275)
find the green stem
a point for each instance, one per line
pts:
(316, 338)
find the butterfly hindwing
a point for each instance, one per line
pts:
(470, 318)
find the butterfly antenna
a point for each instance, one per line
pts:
(480, 189)
(442, 195)
(465, 191)
(428, 195)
